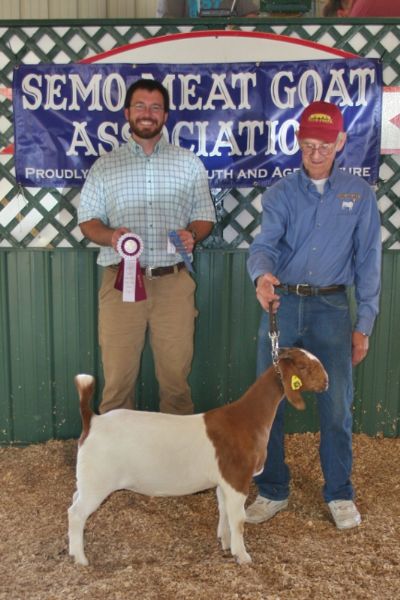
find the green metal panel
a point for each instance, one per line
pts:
(74, 325)
(6, 420)
(48, 329)
(48, 325)
(377, 398)
(29, 350)
(224, 362)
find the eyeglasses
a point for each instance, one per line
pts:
(153, 108)
(322, 149)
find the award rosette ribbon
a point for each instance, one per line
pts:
(129, 278)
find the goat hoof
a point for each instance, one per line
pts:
(225, 546)
(225, 543)
(244, 559)
(82, 560)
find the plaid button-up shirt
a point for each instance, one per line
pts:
(150, 195)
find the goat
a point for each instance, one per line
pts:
(160, 454)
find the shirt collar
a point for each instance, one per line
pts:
(137, 148)
(334, 176)
(331, 182)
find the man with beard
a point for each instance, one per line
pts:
(150, 188)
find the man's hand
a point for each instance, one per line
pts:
(196, 231)
(116, 235)
(187, 239)
(265, 291)
(360, 345)
(101, 234)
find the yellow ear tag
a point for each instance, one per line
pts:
(296, 382)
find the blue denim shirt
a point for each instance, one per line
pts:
(322, 239)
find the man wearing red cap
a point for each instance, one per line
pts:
(320, 234)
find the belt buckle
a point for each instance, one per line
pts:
(298, 286)
(148, 273)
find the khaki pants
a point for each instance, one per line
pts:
(169, 313)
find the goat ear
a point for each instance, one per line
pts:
(292, 385)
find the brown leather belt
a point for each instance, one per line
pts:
(303, 289)
(151, 272)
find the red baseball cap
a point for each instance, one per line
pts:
(321, 121)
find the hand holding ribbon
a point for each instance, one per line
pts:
(176, 240)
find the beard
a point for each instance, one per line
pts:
(146, 132)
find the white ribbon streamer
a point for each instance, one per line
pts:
(130, 247)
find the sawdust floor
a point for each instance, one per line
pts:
(151, 548)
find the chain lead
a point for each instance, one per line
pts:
(273, 334)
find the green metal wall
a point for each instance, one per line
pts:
(48, 326)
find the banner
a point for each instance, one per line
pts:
(239, 118)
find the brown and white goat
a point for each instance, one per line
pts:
(171, 455)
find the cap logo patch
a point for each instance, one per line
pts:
(320, 118)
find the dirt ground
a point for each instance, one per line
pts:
(166, 548)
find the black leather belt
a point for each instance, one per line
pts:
(151, 272)
(303, 289)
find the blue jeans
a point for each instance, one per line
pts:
(322, 325)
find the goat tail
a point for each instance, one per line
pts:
(85, 386)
